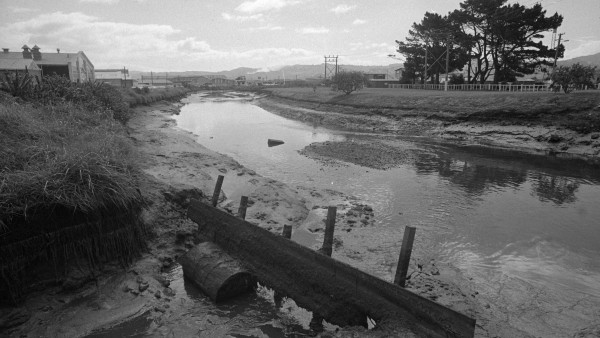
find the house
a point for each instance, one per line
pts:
(114, 77)
(76, 66)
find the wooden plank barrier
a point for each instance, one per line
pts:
(336, 291)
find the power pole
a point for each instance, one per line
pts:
(556, 51)
(447, 63)
(331, 69)
(425, 68)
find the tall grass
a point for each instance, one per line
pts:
(143, 97)
(68, 182)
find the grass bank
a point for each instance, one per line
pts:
(68, 184)
(135, 97)
(578, 111)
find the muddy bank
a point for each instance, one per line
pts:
(376, 155)
(540, 134)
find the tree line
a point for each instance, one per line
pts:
(495, 41)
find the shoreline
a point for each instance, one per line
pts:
(522, 136)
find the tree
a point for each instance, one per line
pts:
(571, 77)
(504, 39)
(349, 81)
(433, 34)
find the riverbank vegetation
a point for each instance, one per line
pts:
(579, 111)
(491, 40)
(68, 181)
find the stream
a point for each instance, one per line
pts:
(524, 228)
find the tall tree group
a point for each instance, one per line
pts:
(494, 40)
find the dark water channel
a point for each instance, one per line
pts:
(531, 222)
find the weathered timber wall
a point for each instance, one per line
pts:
(338, 292)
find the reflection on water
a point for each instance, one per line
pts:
(485, 211)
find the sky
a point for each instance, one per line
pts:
(179, 35)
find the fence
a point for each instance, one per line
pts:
(483, 87)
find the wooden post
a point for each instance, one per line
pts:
(327, 248)
(243, 206)
(287, 231)
(217, 193)
(404, 259)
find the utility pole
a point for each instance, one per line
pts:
(556, 51)
(425, 67)
(447, 63)
(331, 69)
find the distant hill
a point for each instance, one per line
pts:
(299, 72)
(588, 60)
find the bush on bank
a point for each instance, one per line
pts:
(68, 182)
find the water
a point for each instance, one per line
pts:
(508, 221)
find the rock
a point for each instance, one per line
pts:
(157, 294)
(160, 309)
(162, 280)
(595, 136)
(169, 292)
(13, 317)
(223, 170)
(554, 138)
(143, 286)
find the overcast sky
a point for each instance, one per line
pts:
(176, 35)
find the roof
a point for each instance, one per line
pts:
(56, 58)
(47, 58)
(18, 64)
(11, 55)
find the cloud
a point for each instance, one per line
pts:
(257, 6)
(584, 46)
(342, 8)
(266, 28)
(108, 2)
(19, 10)
(241, 18)
(112, 42)
(145, 47)
(313, 30)
(359, 22)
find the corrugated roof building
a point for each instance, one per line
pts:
(76, 66)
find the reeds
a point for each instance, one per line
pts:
(68, 185)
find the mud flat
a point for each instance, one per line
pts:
(541, 124)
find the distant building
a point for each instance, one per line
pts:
(19, 65)
(379, 80)
(114, 77)
(75, 66)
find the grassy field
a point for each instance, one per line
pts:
(578, 111)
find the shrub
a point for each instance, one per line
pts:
(569, 78)
(349, 81)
